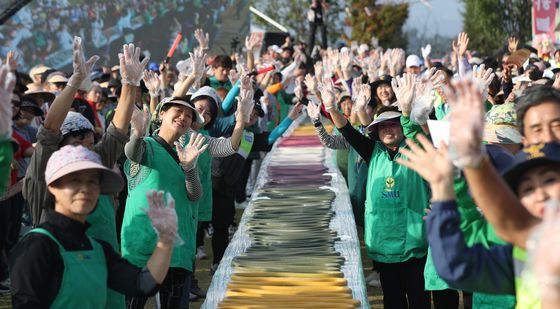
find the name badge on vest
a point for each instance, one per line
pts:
(247, 140)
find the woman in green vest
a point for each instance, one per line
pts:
(207, 102)
(64, 127)
(154, 164)
(56, 265)
(396, 198)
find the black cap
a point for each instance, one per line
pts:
(531, 157)
(30, 104)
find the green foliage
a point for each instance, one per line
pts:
(386, 23)
(292, 14)
(490, 22)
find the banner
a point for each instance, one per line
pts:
(544, 17)
(43, 31)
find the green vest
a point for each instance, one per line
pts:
(6, 156)
(84, 281)
(357, 180)
(395, 203)
(158, 171)
(214, 83)
(103, 226)
(102, 222)
(526, 289)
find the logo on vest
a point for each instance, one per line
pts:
(83, 257)
(389, 192)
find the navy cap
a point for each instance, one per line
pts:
(500, 157)
(531, 157)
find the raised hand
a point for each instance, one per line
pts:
(7, 83)
(346, 63)
(140, 121)
(483, 78)
(245, 100)
(130, 66)
(327, 94)
(198, 58)
(364, 96)
(252, 41)
(356, 84)
(202, 38)
(313, 111)
(512, 44)
(80, 78)
(12, 60)
(373, 69)
(467, 124)
(311, 83)
(151, 80)
(423, 100)
(318, 66)
(189, 153)
(398, 59)
(404, 91)
(295, 111)
(233, 76)
(460, 46)
(164, 219)
(432, 164)
(426, 50)
(298, 90)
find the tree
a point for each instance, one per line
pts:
(490, 22)
(383, 21)
(292, 15)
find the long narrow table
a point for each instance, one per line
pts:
(296, 245)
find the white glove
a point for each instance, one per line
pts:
(422, 103)
(139, 121)
(327, 94)
(164, 219)
(364, 96)
(189, 154)
(404, 91)
(426, 50)
(482, 79)
(198, 60)
(130, 66)
(313, 111)
(80, 78)
(7, 83)
(151, 80)
(245, 103)
(467, 124)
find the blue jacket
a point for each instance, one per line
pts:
(475, 268)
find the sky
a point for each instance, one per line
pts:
(444, 18)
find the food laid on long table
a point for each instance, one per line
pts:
(296, 245)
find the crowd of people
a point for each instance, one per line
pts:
(43, 30)
(111, 176)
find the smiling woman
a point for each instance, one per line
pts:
(154, 164)
(59, 255)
